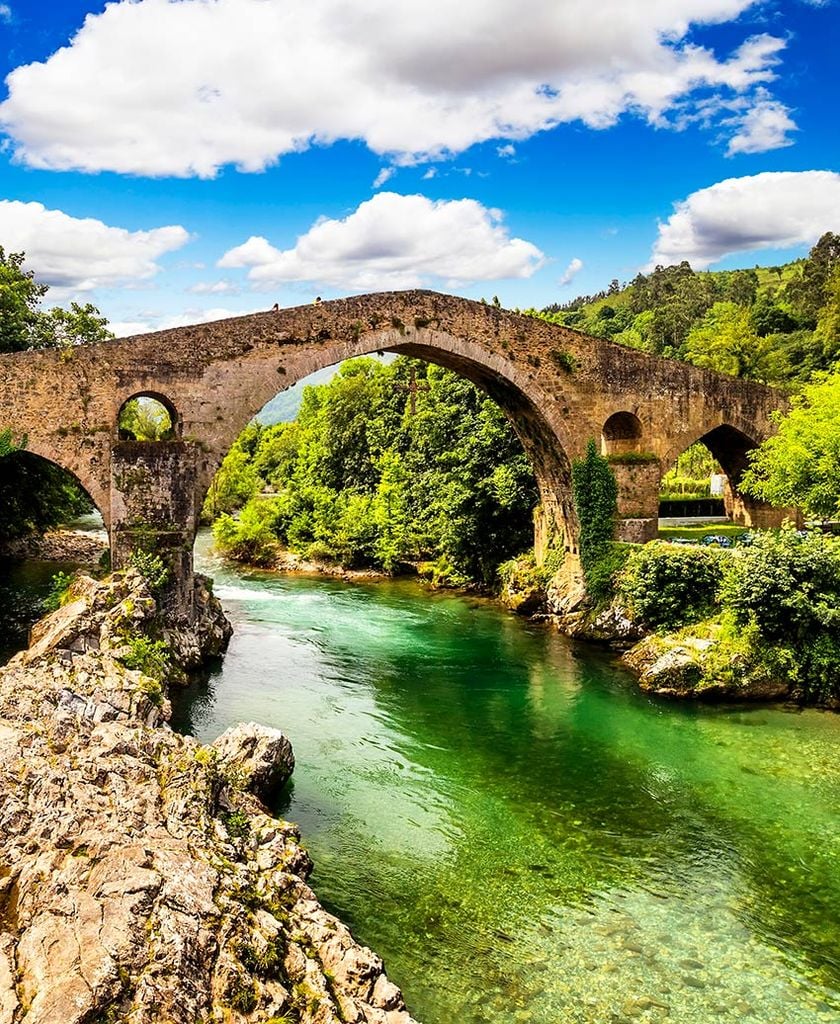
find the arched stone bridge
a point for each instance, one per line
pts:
(558, 387)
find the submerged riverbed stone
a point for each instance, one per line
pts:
(260, 756)
(137, 883)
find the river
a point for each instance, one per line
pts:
(520, 833)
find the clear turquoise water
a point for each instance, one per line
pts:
(522, 835)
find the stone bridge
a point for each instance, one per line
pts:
(558, 387)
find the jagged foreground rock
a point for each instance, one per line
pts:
(140, 880)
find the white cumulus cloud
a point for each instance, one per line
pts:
(569, 274)
(773, 210)
(79, 254)
(766, 125)
(5, 13)
(184, 87)
(394, 241)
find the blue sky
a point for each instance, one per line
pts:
(173, 162)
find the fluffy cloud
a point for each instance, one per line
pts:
(774, 210)
(158, 87)
(765, 125)
(77, 255)
(569, 274)
(127, 328)
(5, 13)
(394, 241)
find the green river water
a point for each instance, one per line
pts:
(518, 832)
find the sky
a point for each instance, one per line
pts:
(177, 161)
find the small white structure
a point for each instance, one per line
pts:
(717, 482)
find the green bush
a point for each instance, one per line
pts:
(604, 570)
(57, 595)
(667, 586)
(151, 657)
(152, 568)
(786, 587)
(251, 537)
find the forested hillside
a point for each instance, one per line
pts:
(778, 325)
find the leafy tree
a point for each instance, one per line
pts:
(800, 465)
(827, 331)
(23, 325)
(807, 291)
(725, 340)
(360, 479)
(20, 297)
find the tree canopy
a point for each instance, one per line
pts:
(359, 479)
(800, 465)
(24, 325)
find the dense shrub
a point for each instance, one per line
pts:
(605, 570)
(251, 537)
(669, 586)
(152, 568)
(596, 503)
(786, 587)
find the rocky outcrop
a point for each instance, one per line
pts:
(689, 667)
(206, 635)
(141, 881)
(261, 756)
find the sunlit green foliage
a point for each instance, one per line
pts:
(360, 480)
(145, 419)
(668, 586)
(786, 587)
(800, 465)
(23, 325)
(773, 324)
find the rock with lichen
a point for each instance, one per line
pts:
(140, 882)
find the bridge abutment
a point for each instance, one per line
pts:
(153, 487)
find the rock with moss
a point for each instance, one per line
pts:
(137, 884)
(705, 668)
(260, 758)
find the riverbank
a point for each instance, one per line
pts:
(143, 877)
(76, 547)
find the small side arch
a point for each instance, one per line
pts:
(147, 416)
(622, 433)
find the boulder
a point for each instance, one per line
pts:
(259, 758)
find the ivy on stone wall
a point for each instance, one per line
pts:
(596, 502)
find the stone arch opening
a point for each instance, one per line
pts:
(729, 449)
(147, 416)
(621, 434)
(38, 494)
(546, 455)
